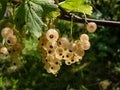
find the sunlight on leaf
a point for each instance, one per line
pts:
(76, 6)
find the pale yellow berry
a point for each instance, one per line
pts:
(52, 35)
(68, 62)
(80, 50)
(86, 45)
(84, 37)
(68, 55)
(59, 53)
(51, 45)
(5, 31)
(54, 68)
(72, 47)
(63, 42)
(77, 58)
(11, 39)
(4, 50)
(91, 27)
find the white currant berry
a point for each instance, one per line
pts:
(86, 45)
(52, 35)
(63, 42)
(68, 62)
(57, 61)
(54, 68)
(91, 27)
(4, 50)
(59, 53)
(72, 47)
(68, 55)
(50, 51)
(84, 37)
(5, 31)
(11, 39)
(79, 45)
(47, 67)
(59, 50)
(51, 45)
(49, 58)
(77, 58)
(80, 50)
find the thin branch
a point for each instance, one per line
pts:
(67, 16)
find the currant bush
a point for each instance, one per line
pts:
(54, 49)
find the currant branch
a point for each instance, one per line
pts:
(67, 16)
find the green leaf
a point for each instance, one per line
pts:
(53, 14)
(76, 6)
(3, 5)
(48, 8)
(30, 14)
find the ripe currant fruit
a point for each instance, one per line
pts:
(84, 37)
(4, 50)
(51, 45)
(5, 31)
(54, 68)
(86, 45)
(72, 47)
(63, 42)
(11, 39)
(91, 27)
(52, 35)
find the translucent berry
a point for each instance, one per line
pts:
(51, 45)
(41, 45)
(86, 45)
(50, 51)
(80, 50)
(79, 45)
(77, 58)
(5, 31)
(4, 50)
(68, 62)
(59, 53)
(68, 55)
(54, 68)
(47, 67)
(57, 61)
(59, 50)
(63, 42)
(91, 27)
(49, 58)
(11, 39)
(52, 35)
(84, 37)
(72, 47)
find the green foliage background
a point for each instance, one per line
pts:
(101, 62)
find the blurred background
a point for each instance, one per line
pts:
(99, 69)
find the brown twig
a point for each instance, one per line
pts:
(67, 16)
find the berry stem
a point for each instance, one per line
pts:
(71, 26)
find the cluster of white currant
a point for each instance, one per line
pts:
(56, 49)
(10, 46)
